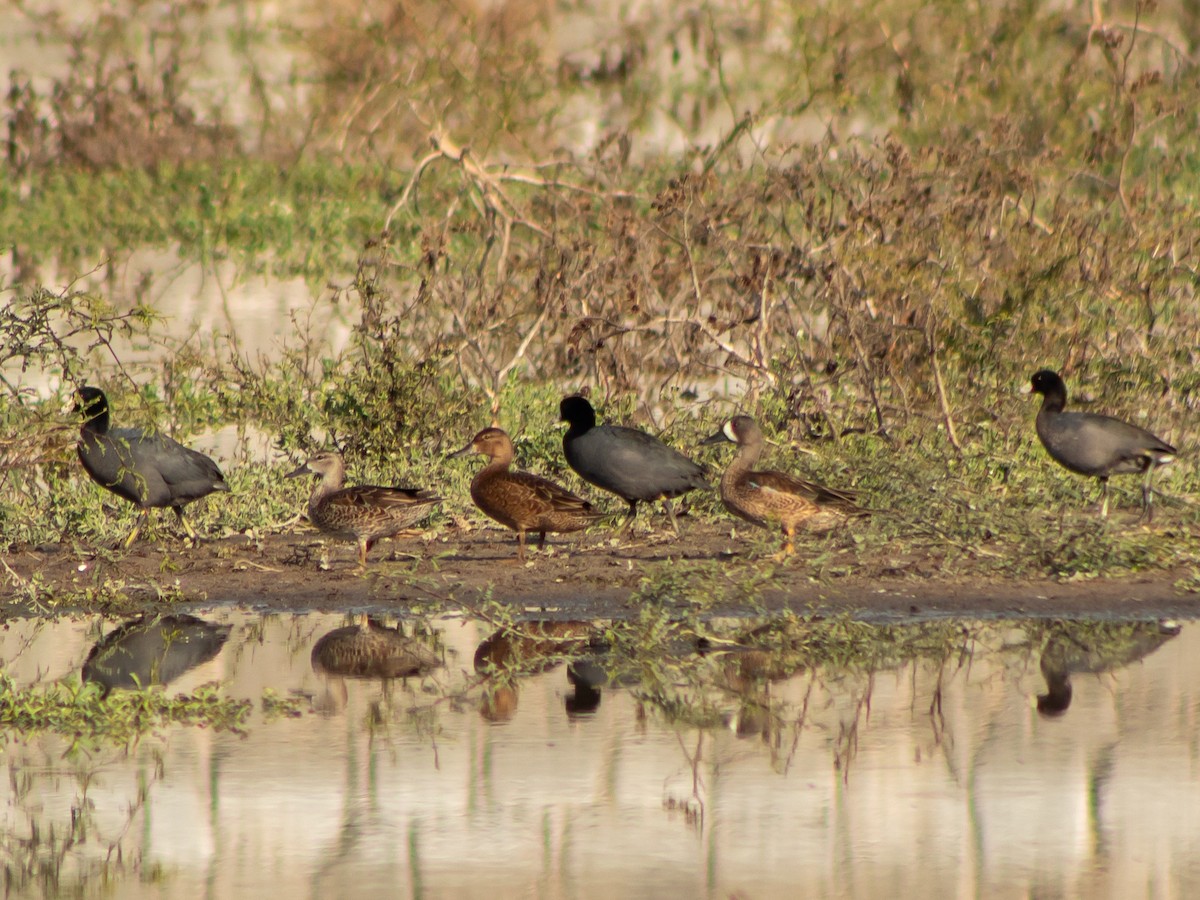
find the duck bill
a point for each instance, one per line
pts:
(465, 451)
(303, 470)
(719, 438)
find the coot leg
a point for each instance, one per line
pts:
(671, 514)
(187, 526)
(629, 517)
(137, 527)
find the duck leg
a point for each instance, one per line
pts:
(788, 547)
(1104, 498)
(364, 546)
(1147, 496)
(521, 546)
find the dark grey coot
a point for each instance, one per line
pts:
(632, 464)
(1093, 444)
(153, 650)
(1072, 649)
(149, 470)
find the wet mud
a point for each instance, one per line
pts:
(590, 576)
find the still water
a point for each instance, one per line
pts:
(936, 778)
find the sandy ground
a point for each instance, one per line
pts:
(590, 576)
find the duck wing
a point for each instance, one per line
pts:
(782, 483)
(553, 496)
(549, 496)
(375, 496)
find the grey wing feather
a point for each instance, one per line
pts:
(634, 464)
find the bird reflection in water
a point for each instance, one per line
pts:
(747, 673)
(368, 649)
(153, 650)
(527, 649)
(587, 676)
(1093, 648)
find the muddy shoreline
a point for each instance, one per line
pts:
(588, 577)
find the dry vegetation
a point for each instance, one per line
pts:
(864, 222)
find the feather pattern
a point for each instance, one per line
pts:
(523, 501)
(768, 498)
(363, 513)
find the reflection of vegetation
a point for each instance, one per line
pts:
(55, 855)
(716, 674)
(83, 712)
(276, 707)
(705, 673)
(711, 674)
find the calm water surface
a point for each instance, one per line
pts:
(928, 778)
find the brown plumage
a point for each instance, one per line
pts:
(767, 498)
(368, 649)
(519, 500)
(364, 513)
(531, 646)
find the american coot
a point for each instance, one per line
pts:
(364, 513)
(776, 498)
(149, 470)
(153, 650)
(1099, 647)
(629, 463)
(519, 500)
(1095, 445)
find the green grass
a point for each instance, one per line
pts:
(973, 207)
(307, 221)
(83, 712)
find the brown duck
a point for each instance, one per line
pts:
(364, 513)
(767, 498)
(368, 649)
(519, 500)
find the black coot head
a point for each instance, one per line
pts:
(577, 411)
(1047, 382)
(93, 405)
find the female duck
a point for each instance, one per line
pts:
(362, 514)
(520, 500)
(767, 498)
